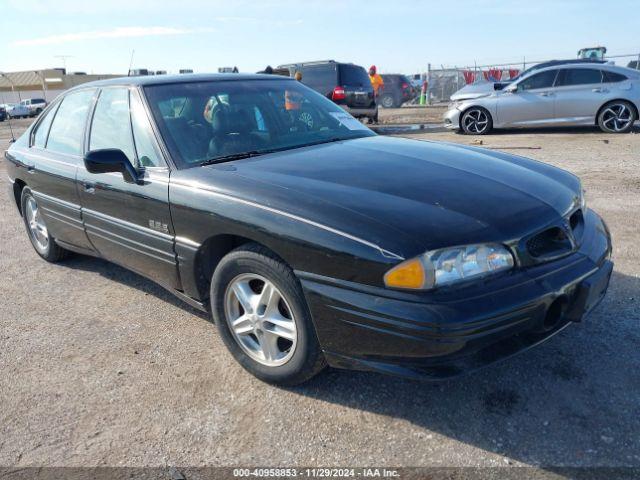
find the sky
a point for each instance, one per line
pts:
(98, 36)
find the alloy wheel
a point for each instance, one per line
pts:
(475, 121)
(37, 228)
(617, 117)
(260, 319)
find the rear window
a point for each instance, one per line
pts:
(354, 75)
(322, 78)
(580, 76)
(65, 135)
(612, 77)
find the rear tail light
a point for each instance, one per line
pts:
(338, 94)
(405, 86)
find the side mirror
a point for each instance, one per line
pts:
(111, 160)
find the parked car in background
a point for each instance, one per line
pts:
(565, 95)
(346, 84)
(312, 242)
(34, 105)
(3, 113)
(482, 87)
(18, 110)
(397, 90)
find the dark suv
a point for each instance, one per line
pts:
(3, 113)
(346, 84)
(397, 90)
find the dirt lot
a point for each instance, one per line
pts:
(431, 114)
(102, 367)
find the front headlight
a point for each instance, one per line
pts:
(583, 199)
(446, 266)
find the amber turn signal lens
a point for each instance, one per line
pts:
(409, 274)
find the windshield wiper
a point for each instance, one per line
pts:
(256, 153)
(233, 156)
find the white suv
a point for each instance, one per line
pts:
(35, 105)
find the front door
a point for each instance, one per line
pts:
(531, 104)
(129, 223)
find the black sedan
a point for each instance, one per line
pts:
(312, 240)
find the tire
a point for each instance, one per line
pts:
(38, 111)
(387, 101)
(49, 249)
(268, 356)
(617, 117)
(476, 121)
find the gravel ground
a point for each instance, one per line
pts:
(102, 367)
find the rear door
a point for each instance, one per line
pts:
(129, 223)
(579, 95)
(357, 86)
(531, 104)
(52, 159)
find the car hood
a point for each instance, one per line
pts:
(407, 196)
(474, 90)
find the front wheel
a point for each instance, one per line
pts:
(476, 121)
(617, 117)
(260, 310)
(42, 241)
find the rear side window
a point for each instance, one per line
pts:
(580, 76)
(111, 127)
(612, 77)
(67, 129)
(42, 129)
(322, 78)
(354, 76)
(539, 80)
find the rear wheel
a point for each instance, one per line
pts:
(387, 101)
(42, 241)
(263, 318)
(617, 117)
(476, 121)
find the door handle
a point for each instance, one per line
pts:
(599, 90)
(89, 187)
(546, 94)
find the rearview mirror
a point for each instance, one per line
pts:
(111, 160)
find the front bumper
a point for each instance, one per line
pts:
(451, 118)
(447, 332)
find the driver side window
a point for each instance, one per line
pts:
(110, 127)
(539, 80)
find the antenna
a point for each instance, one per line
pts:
(13, 138)
(64, 60)
(131, 62)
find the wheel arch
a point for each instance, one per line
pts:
(633, 105)
(18, 186)
(211, 251)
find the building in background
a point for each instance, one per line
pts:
(47, 84)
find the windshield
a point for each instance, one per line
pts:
(202, 122)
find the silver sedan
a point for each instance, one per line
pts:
(562, 95)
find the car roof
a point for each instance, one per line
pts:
(182, 78)
(601, 66)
